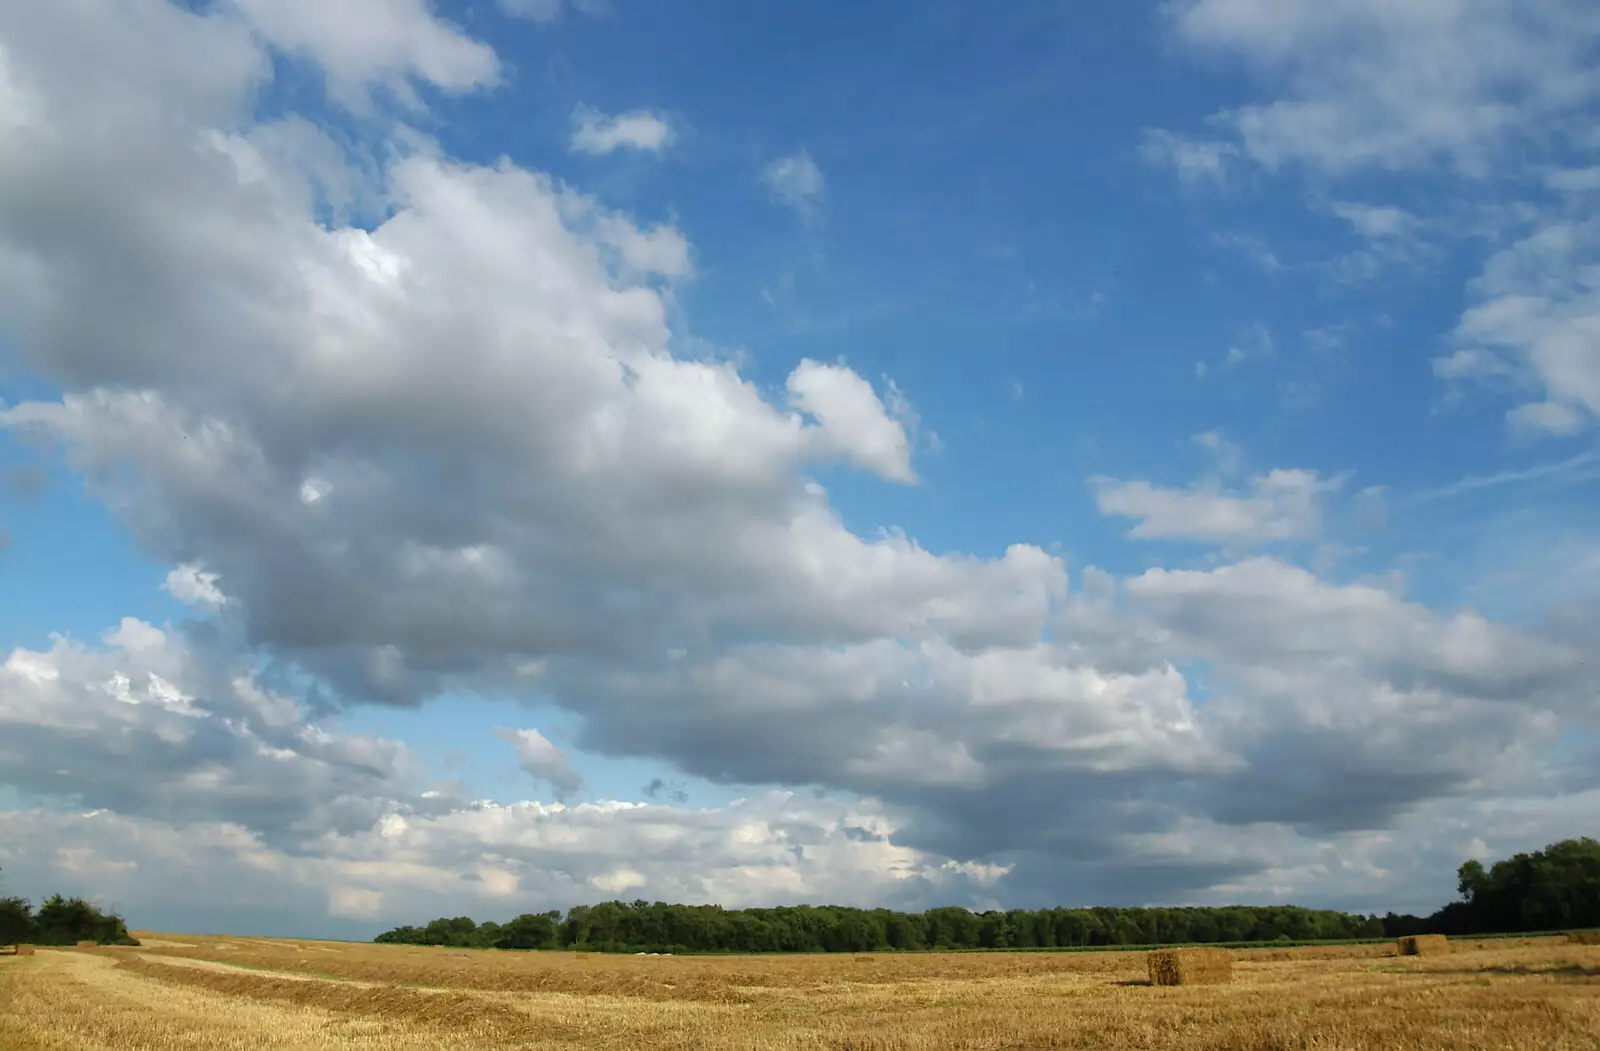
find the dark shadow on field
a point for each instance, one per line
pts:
(1135, 981)
(1570, 971)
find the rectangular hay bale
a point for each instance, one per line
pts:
(24, 950)
(1190, 966)
(1423, 945)
(87, 944)
(1584, 938)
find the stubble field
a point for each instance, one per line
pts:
(234, 993)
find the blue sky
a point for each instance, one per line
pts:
(1044, 434)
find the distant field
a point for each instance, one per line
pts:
(178, 991)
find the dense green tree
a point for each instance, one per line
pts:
(60, 921)
(1549, 889)
(1471, 879)
(16, 921)
(530, 931)
(401, 936)
(66, 921)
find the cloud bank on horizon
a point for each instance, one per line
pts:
(411, 436)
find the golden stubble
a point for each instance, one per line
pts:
(235, 993)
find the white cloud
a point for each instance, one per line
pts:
(1463, 89)
(151, 726)
(487, 860)
(1280, 505)
(660, 250)
(543, 761)
(192, 585)
(594, 132)
(1537, 317)
(1254, 249)
(364, 43)
(853, 420)
(796, 181)
(1329, 687)
(1226, 454)
(1197, 162)
(1374, 84)
(1574, 180)
(355, 903)
(767, 850)
(1262, 613)
(1469, 363)
(1547, 417)
(931, 728)
(189, 764)
(533, 10)
(1255, 342)
(1392, 237)
(1408, 868)
(1375, 221)
(549, 10)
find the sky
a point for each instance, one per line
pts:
(487, 456)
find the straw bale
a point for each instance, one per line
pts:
(24, 950)
(88, 944)
(1424, 945)
(1190, 967)
(1584, 938)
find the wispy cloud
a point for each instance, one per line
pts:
(1254, 249)
(596, 133)
(1279, 505)
(1390, 236)
(1536, 312)
(543, 761)
(1255, 342)
(1581, 468)
(1226, 454)
(550, 10)
(392, 46)
(1197, 162)
(1574, 180)
(1374, 221)
(796, 181)
(1395, 86)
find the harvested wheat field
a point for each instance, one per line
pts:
(221, 994)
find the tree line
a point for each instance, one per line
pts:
(1558, 887)
(60, 921)
(615, 926)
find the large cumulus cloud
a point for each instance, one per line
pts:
(153, 761)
